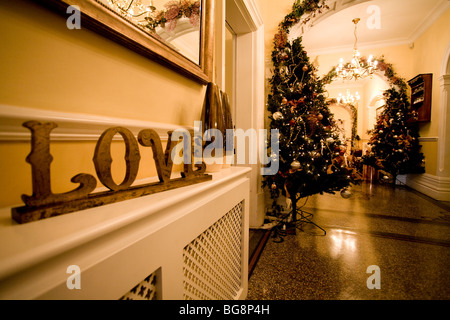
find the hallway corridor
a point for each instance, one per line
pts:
(405, 234)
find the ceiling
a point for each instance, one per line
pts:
(401, 22)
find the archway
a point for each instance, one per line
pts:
(345, 120)
(364, 110)
(444, 117)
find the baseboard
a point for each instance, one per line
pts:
(433, 186)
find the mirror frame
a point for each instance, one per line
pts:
(96, 17)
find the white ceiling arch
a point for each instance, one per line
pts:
(401, 22)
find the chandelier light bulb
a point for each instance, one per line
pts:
(133, 9)
(349, 98)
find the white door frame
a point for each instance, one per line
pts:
(244, 18)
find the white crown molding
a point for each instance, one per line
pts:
(428, 21)
(361, 47)
(71, 126)
(244, 15)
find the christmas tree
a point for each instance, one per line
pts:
(311, 156)
(394, 143)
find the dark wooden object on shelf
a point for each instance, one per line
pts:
(421, 88)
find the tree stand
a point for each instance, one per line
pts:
(304, 218)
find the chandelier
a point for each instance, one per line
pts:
(349, 98)
(359, 67)
(133, 9)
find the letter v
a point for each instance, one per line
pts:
(163, 162)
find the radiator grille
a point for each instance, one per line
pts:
(212, 263)
(146, 290)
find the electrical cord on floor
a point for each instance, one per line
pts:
(285, 224)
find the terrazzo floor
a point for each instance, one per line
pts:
(405, 234)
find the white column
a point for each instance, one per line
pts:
(444, 128)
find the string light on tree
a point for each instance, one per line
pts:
(311, 160)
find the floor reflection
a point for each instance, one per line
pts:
(344, 242)
(402, 233)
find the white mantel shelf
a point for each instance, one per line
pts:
(37, 249)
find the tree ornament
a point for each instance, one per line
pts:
(345, 193)
(295, 165)
(273, 186)
(305, 68)
(277, 115)
(314, 154)
(292, 123)
(320, 117)
(284, 101)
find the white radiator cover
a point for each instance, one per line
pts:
(188, 243)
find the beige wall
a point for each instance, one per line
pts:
(272, 12)
(46, 66)
(429, 51)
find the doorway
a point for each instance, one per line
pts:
(241, 69)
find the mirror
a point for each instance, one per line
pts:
(175, 33)
(177, 23)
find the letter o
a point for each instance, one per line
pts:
(102, 158)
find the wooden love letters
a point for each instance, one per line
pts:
(44, 204)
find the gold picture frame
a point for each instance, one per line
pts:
(98, 18)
